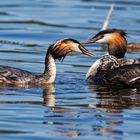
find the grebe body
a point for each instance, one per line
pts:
(58, 50)
(109, 71)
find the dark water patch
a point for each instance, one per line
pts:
(12, 28)
(12, 132)
(20, 102)
(4, 14)
(2, 42)
(45, 24)
(20, 61)
(18, 51)
(9, 5)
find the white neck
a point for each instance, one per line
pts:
(50, 70)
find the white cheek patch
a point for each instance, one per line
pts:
(105, 39)
(75, 47)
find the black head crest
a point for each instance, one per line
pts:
(58, 52)
(108, 31)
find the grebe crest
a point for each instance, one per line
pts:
(61, 48)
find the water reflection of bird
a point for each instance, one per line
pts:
(58, 112)
(114, 100)
(49, 96)
(58, 50)
(111, 104)
(114, 68)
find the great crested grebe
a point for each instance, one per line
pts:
(113, 68)
(58, 50)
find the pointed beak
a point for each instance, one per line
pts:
(89, 41)
(85, 51)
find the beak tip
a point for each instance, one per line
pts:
(89, 53)
(86, 52)
(85, 42)
(88, 41)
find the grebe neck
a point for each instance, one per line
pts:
(117, 47)
(50, 70)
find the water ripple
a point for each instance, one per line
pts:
(71, 108)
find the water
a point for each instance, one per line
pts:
(70, 109)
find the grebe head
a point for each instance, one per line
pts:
(62, 47)
(115, 40)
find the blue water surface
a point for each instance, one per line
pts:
(69, 109)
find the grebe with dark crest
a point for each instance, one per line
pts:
(113, 68)
(58, 50)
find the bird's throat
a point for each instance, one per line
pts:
(50, 70)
